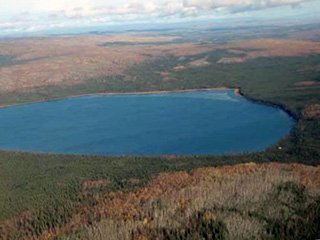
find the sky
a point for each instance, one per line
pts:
(36, 15)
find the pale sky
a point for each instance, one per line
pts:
(33, 15)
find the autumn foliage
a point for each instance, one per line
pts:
(246, 195)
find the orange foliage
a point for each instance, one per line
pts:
(127, 205)
(307, 83)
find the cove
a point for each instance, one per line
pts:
(182, 123)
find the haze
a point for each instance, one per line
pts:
(32, 16)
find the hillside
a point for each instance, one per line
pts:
(272, 194)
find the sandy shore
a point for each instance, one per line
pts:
(235, 90)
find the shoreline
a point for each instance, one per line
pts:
(236, 91)
(268, 103)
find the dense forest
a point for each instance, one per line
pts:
(41, 193)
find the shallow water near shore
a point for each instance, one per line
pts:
(182, 123)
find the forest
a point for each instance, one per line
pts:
(78, 196)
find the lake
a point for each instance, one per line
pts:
(184, 123)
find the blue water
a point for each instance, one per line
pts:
(195, 123)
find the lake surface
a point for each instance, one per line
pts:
(186, 123)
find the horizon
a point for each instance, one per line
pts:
(30, 18)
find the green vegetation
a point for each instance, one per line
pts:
(240, 202)
(30, 180)
(48, 185)
(11, 60)
(300, 219)
(265, 80)
(5, 60)
(135, 43)
(8, 60)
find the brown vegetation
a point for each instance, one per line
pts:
(66, 61)
(271, 48)
(199, 62)
(312, 111)
(231, 60)
(233, 192)
(72, 60)
(243, 197)
(307, 83)
(179, 67)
